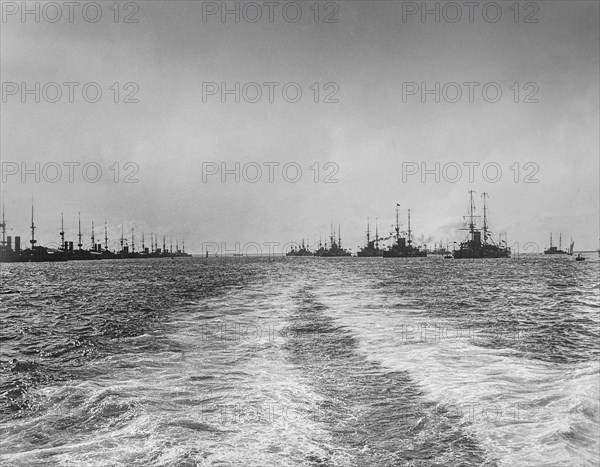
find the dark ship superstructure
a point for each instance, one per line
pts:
(402, 246)
(67, 251)
(7, 253)
(35, 253)
(335, 247)
(475, 246)
(372, 248)
(302, 249)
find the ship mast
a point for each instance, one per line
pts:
(62, 231)
(164, 249)
(471, 216)
(339, 237)
(93, 238)
(105, 237)
(33, 240)
(79, 234)
(171, 251)
(376, 234)
(183, 246)
(3, 225)
(560, 241)
(397, 225)
(332, 236)
(143, 244)
(122, 234)
(132, 241)
(409, 231)
(550, 239)
(368, 232)
(485, 226)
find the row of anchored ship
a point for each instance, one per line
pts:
(67, 251)
(479, 243)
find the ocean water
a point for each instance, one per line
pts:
(301, 361)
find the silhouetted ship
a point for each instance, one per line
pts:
(475, 247)
(35, 253)
(372, 248)
(68, 252)
(402, 246)
(558, 251)
(335, 248)
(7, 254)
(300, 250)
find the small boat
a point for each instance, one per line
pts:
(448, 256)
(579, 258)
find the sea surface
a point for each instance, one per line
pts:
(301, 362)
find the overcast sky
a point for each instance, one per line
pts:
(371, 135)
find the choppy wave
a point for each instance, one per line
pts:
(300, 362)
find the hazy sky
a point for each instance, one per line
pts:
(371, 134)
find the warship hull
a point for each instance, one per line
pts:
(475, 252)
(365, 253)
(404, 254)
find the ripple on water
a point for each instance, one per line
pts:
(119, 363)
